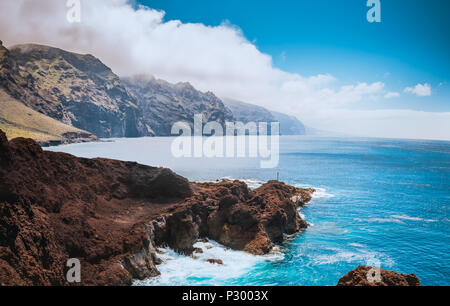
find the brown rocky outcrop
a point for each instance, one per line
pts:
(359, 277)
(111, 215)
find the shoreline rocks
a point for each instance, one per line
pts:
(215, 261)
(367, 276)
(69, 138)
(112, 216)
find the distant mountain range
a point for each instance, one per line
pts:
(78, 98)
(245, 112)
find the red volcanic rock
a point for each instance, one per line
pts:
(111, 215)
(54, 206)
(359, 277)
(254, 220)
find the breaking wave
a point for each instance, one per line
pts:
(181, 270)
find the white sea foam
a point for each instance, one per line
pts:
(409, 218)
(357, 245)
(399, 219)
(361, 256)
(320, 192)
(252, 184)
(178, 269)
(379, 220)
(329, 228)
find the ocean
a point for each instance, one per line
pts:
(378, 202)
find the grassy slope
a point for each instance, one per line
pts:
(18, 120)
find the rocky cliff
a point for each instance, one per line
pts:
(112, 215)
(359, 277)
(18, 120)
(78, 90)
(245, 112)
(289, 125)
(163, 104)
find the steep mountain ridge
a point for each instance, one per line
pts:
(75, 89)
(289, 125)
(246, 112)
(163, 103)
(80, 91)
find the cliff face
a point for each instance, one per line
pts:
(18, 120)
(112, 215)
(78, 90)
(245, 112)
(163, 104)
(289, 125)
(358, 277)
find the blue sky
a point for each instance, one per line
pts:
(411, 45)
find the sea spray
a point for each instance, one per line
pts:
(195, 270)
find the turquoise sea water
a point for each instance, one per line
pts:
(379, 201)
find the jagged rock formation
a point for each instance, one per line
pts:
(78, 90)
(235, 216)
(358, 277)
(112, 215)
(163, 104)
(245, 112)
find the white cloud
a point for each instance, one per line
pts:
(216, 58)
(391, 95)
(139, 41)
(421, 90)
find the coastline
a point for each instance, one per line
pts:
(332, 136)
(113, 214)
(116, 216)
(68, 138)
